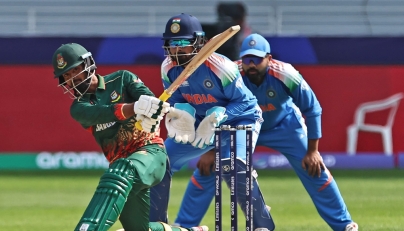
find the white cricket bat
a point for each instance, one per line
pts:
(210, 47)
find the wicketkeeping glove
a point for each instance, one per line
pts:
(151, 107)
(205, 131)
(148, 125)
(180, 123)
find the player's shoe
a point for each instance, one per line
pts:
(268, 207)
(200, 228)
(352, 227)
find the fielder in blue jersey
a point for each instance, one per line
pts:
(283, 96)
(213, 95)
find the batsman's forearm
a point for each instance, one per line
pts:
(122, 111)
(128, 110)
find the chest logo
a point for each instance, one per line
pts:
(199, 98)
(208, 84)
(271, 93)
(115, 97)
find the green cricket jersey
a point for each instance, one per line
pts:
(101, 114)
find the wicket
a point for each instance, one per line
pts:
(233, 176)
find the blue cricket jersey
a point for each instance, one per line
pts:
(217, 82)
(282, 90)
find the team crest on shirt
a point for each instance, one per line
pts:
(208, 84)
(271, 93)
(115, 97)
(226, 168)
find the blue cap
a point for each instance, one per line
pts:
(182, 26)
(255, 44)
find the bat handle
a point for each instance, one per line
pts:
(163, 97)
(138, 125)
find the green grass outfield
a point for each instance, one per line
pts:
(55, 200)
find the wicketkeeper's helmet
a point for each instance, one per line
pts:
(183, 30)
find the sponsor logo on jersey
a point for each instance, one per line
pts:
(268, 107)
(184, 84)
(271, 93)
(61, 61)
(101, 127)
(208, 84)
(115, 97)
(199, 98)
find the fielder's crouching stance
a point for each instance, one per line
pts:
(214, 94)
(108, 107)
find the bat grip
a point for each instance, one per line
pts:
(163, 97)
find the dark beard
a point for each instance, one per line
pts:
(181, 58)
(83, 87)
(256, 77)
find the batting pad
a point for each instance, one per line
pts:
(109, 197)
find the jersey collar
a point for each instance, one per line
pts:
(101, 82)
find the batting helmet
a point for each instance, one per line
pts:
(69, 56)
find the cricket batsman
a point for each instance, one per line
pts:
(108, 107)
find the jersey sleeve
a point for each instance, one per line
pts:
(168, 77)
(233, 85)
(302, 95)
(88, 114)
(134, 86)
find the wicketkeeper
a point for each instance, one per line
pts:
(213, 95)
